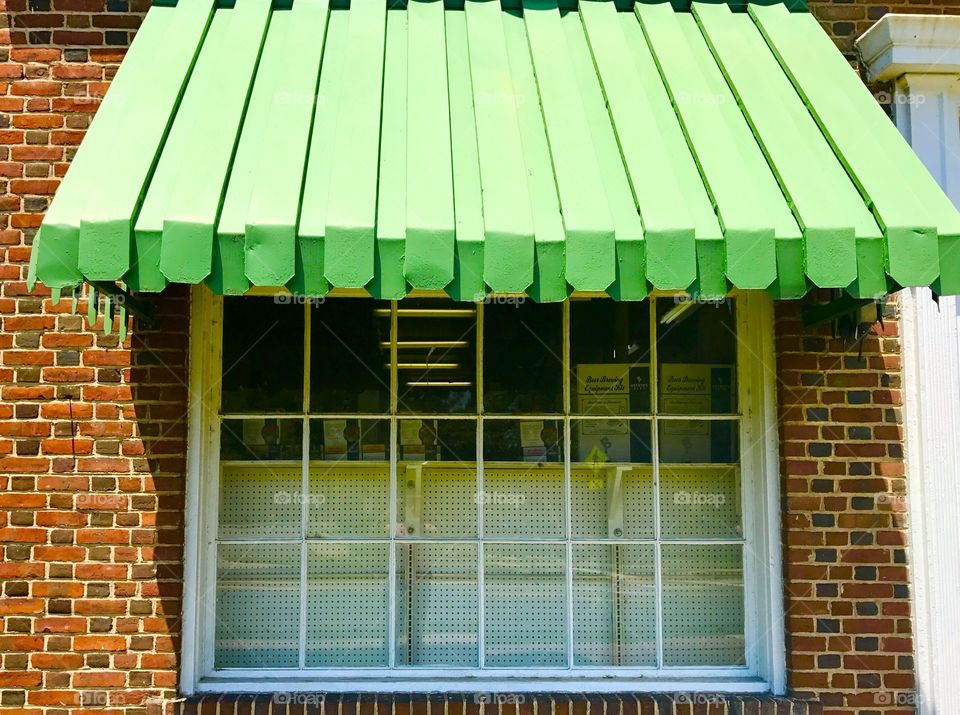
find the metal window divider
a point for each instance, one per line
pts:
(569, 630)
(480, 500)
(393, 456)
(304, 489)
(655, 458)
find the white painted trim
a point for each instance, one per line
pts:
(764, 619)
(899, 44)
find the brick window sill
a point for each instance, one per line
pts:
(498, 704)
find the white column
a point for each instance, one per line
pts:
(921, 55)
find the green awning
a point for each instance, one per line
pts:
(489, 147)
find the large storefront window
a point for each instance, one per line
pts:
(512, 488)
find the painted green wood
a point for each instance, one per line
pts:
(309, 277)
(630, 280)
(351, 212)
(639, 109)
(106, 226)
(549, 281)
(273, 212)
(173, 235)
(905, 199)
(428, 262)
(389, 282)
(824, 200)
(468, 283)
(590, 247)
(508, 220)
(55, 258)
(743, 190)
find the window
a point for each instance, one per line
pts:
(439, 490)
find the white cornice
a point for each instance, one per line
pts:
(901, 44)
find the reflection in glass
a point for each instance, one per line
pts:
(262, 356)
(437, 604)
(609, 357)
(533, 441)
(263, 439)
(698, 442)
(696, 352)
(347, 598)
(703, 604)
(523, 357)
(524, 603)
(436, 356)
(350, 440)
(350, 356)
(614, 605)
(258, 606)
(613, 440)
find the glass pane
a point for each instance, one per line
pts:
(703, 605)
(335, 440)
(262, 355)
(259, 440)
(613, 441)
(350, 356)
(349, 499)
(522, 357)
(258, 606)
(347, 597)
(614, 609)
(700, 502)
(609, 357)
(260, 500)
(523, 485)
(524, 605)
(437, 440)
(437, 604)
(699, 442)
(612, 502)
(697, 354)
(436, 356)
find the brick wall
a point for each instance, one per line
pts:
(90, 545)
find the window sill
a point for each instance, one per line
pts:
(504, 702)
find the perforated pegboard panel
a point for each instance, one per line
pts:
(589, 502)
(437, 591)
(601, 506)
(442, 503)
(614, 605)
(524, 605)
(523, 501)
(259, 500)
(349, 500)
(347, 598)
(700, 502)
(258, 606)
(702, 604)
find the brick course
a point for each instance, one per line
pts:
(92, 439)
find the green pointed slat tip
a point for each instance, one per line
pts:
(269, 258)
(751, 258)
(830, 256)
(349, 256)
(508, 262)
(913, 255)
(671, 259)
(180, 263)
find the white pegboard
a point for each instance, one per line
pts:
(347, 605)
(612, 501)
(700, 502)
(703, 617)
(614, 605)
(258, 606)
(524, 605)
(437, 499)
(524, 501)
(348, 500)
(259, 500)
(438, 605)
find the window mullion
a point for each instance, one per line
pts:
(304, 487)
(392, 508)
(655, 456)
(567, 490)
(480, 500)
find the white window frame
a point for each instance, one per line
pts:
(765, 669)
